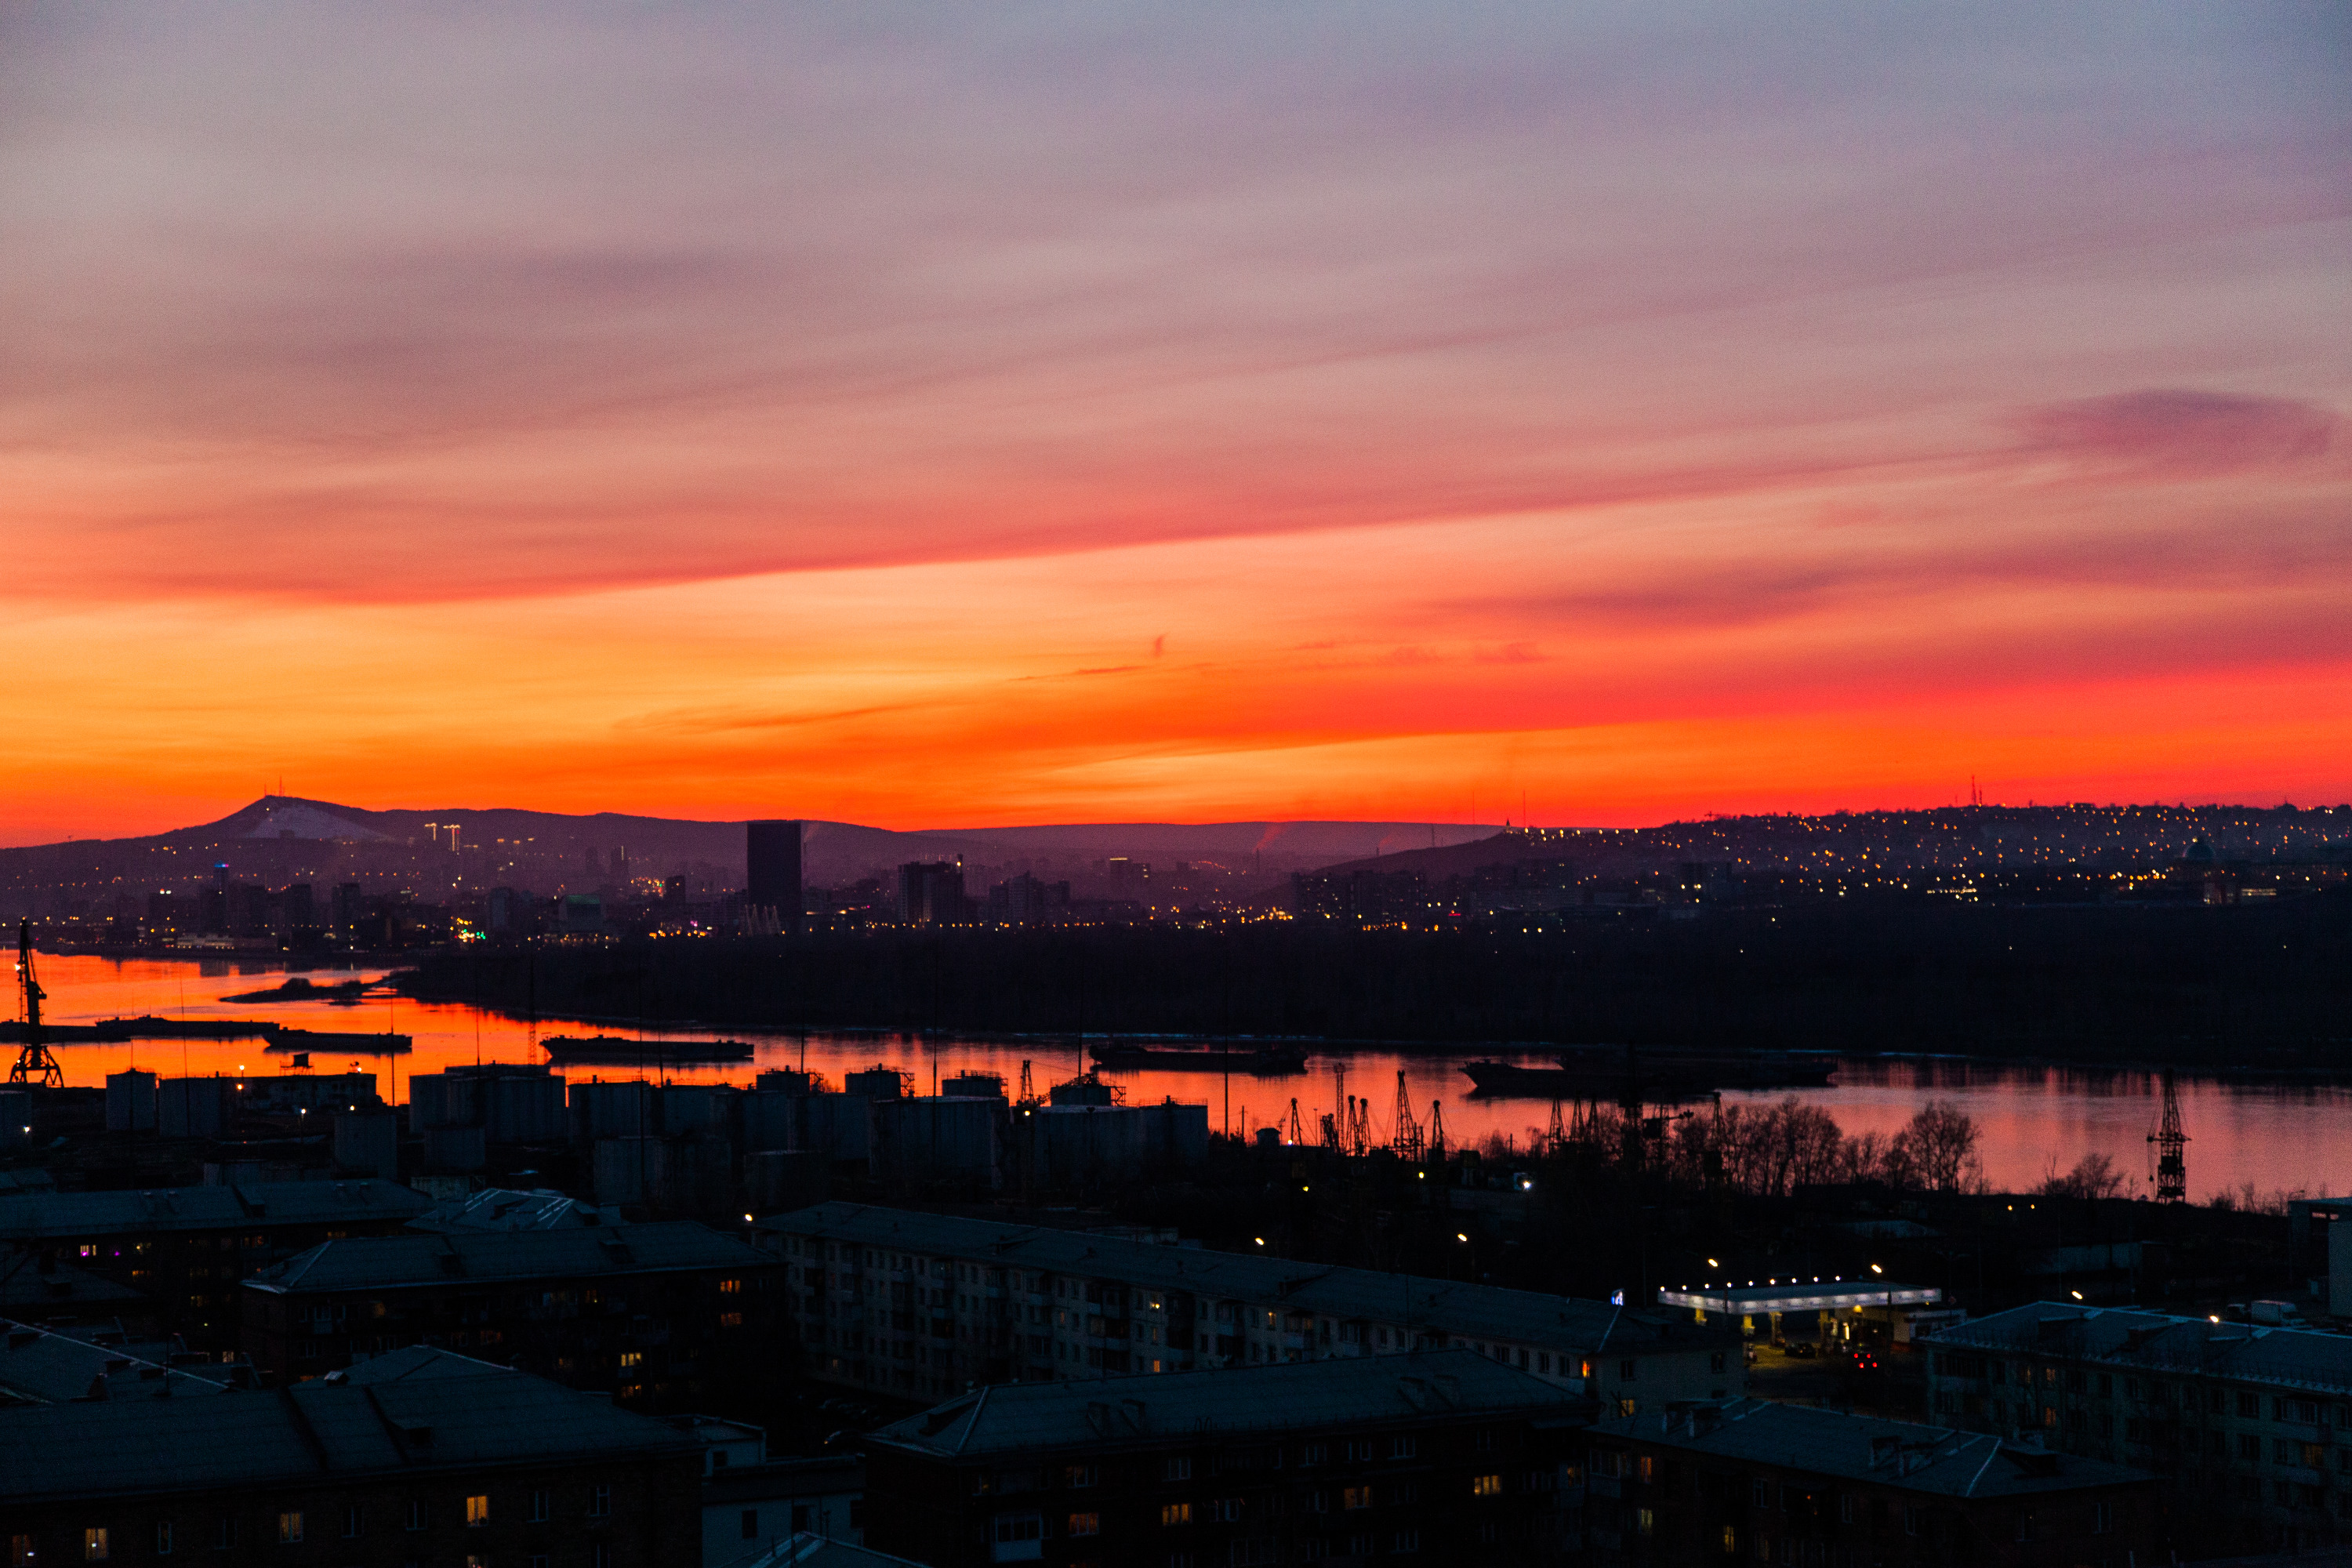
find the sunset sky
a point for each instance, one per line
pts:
(964, 414)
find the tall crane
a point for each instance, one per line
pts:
(2171, 1150)
(34, 1063)
(1407, 1142)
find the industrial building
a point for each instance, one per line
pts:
(184, 1249)
(1750, 1480)
(1445, 1456)
(418, 1457)
(914, 1304)
(654, 1314)
(2250, 1425)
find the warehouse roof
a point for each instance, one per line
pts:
(2160, 1343)
(1941, 1460)
(24, 1216)
(394, 1262)
(1154, 1408)
(1525, 1317)
(316, 1430)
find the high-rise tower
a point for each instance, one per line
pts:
(773, 887)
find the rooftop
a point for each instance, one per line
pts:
(502, 1208)
(806, 1551)
(1940, 1460)
(25, 1216)
(35, 1286)
(1155, 1408)
(391, 1422)
(1527, 1317)
(2157, 1342)
(42, 1366)
(392, 1262)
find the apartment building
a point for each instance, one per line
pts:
(910, 1304)
(1748, 1480)
(1438, 1455)
(2250, 1424)
(419, 1456)
(657, 1315)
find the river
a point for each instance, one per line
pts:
(2291, 1140)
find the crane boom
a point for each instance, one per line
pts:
(33, 1062)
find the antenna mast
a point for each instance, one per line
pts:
(34, 1063)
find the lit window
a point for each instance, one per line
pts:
(477, 1513)
(1085, 1524)
(1481, 1486)
(289, 1529)
(93, 1545)
(1175, 1513)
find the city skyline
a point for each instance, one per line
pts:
(1031, 417)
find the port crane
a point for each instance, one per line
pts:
(2171, 1141)
(33, 1062)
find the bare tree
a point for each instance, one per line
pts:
(1941, 1143)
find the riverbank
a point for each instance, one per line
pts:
(2261, 993)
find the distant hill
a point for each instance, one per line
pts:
(281, 839)
(1856, 842)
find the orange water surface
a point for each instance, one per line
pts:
(2280, 1138)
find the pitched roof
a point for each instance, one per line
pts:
(25, 1216)
(31, 1285)
(1153, 1408)
(42, 1366)
(2160, 1343)
(1941, 1461)
(806, 1551)
(315, 1431)
(392, 1262)
(501, 1208)
(1527, 1317)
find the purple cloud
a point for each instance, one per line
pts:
(2184, 432)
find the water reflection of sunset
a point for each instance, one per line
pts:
(2030, 1118)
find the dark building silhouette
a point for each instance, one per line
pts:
(416, 1457)
(1750, 1480)
(1439, 1457)
(930, 893)
(772, 888)
(651, 1314)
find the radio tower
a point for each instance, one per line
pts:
(1437, 1132)
(2171, 1151)
(1407, 1142)
(34, 1063)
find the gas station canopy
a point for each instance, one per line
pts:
(1801, 1296)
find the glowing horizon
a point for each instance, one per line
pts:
(918, 418)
